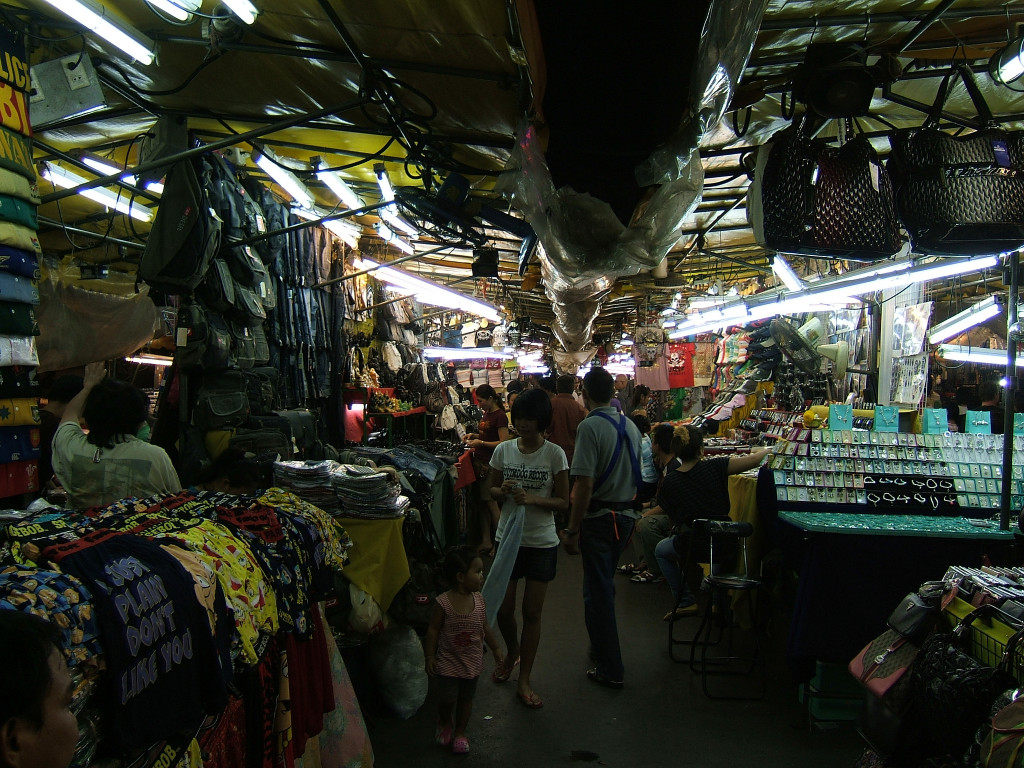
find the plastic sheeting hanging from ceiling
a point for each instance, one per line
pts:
(584, 245)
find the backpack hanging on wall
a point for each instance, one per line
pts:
(185, 237)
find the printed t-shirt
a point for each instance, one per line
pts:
(701, 492)
(60, 598)
(488, 429)
(536, 473)
(130, 468)
(460, 643)
(165, 670)
(680, 365)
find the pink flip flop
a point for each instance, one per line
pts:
(503, 673)
(461, 746)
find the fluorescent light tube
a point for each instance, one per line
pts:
(969, 318)
(340, 187)
(392, 238)
(980, 355)
(176, 9)
(386, 190)
(786, 274)
(243, 9)
(427, 291)
(150, 360)
(397, 221)
(61, 177)
(463, 353)
(124, 36)
(108, 168)
(343, 229)
(288, 181)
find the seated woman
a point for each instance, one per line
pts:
(698, 488)
(108, 462)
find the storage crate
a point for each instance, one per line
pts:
(988, 637)
(832, 695)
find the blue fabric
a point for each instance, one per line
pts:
(620, 427)
(601, 549)
(504, 559)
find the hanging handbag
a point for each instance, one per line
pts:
(960, 195)
(812, 198)
(951, 692)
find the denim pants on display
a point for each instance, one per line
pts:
(668, 561)
(601, 550)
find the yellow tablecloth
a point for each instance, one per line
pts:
(377, 562)
(743, 509)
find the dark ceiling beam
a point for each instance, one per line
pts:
(300, 51)
(783, 23)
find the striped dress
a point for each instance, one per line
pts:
(460, 644)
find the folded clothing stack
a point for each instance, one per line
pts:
(310, 481)
(367, 493)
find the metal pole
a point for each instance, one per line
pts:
(1011, 392)
(230, 141)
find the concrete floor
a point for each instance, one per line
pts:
(660, 717)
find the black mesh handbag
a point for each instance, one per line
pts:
(960, 195)
(809, 197)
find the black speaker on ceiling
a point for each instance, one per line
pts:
(835, 80)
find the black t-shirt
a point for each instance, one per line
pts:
(701, 492)
(166, 671)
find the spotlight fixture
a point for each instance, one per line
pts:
(1007, 65)
(969, 318)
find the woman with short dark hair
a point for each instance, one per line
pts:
(534, 472)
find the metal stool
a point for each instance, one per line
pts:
(719, 583)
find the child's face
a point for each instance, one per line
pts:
(526, 427)
(473, 578)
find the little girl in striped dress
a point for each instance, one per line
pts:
(455, 651)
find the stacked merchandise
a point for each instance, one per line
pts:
(199, 599)
(310, 481)
(19, 292)
(368, 493)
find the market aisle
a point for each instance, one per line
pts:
(660, 718)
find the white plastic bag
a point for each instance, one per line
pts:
(399, 665)
(366, 616)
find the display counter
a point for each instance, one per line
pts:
(853, 568)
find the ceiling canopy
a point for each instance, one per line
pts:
(426, 92)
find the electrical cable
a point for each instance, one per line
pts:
(167, 92)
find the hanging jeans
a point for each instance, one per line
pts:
(602, 540)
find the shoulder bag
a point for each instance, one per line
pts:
(960, 195)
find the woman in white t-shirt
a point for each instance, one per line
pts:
(535, 473)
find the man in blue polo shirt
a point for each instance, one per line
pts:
(606, 470)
